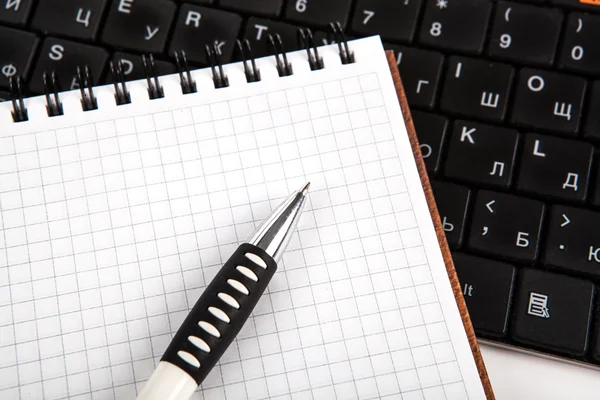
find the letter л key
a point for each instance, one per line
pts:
(556, 167)
(507, 226)
(552, 311)
(481, 153)
(573, 241)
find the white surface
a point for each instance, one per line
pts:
(521, 376)
(148, 200)
(168, 382)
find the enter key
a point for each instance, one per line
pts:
(573, 241)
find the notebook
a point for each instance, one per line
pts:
(114, 220)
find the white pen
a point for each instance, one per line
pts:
(224, 306)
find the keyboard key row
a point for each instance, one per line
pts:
(513, 227)
(532, 307)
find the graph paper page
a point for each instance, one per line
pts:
(113, 222)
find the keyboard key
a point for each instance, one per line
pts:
(198, 26)
(421, 71)
(393, 20)
(507, 226)
(487, 287)
(515, 38)
(457, 25)
(431, 131)
(576, 4)
(592, 123)
(258, 30)
(78, 19)
(142, 25)
(64, 56)
(452, 201)
(483, 154)
(580, 50)
(552, 311)
(595, 351)
(318, 13)
(477, 88)
(16, 53)
(15, 12)
(549, 101)
(133, 67)
(555, 167)
(573, 241)
(267, 8)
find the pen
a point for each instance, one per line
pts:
(224, 307)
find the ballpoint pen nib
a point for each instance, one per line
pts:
(304, 190)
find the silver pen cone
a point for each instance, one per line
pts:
(275, 232)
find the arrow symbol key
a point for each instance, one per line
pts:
(489, 206)
(566, 221)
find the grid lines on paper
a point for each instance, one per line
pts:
(351, 313)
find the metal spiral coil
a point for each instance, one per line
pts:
(188, 85)
(219, 78)
(284, 68)
(155, 90)
(306, 41)
(250, 69)
(122, 95)
(86, 88)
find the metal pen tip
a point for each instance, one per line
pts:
(304, 189)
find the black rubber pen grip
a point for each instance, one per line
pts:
(206, 334)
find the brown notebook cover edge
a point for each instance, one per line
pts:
(456, 288)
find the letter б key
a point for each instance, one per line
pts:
(506, 226)
(552, 311)
(487, 287)
(556, 167)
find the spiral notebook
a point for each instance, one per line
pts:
(112, 222)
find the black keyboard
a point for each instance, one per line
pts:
(506, 103)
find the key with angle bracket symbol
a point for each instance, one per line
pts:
(573, 241)
(507, 226)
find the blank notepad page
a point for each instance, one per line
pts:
(113, 221)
